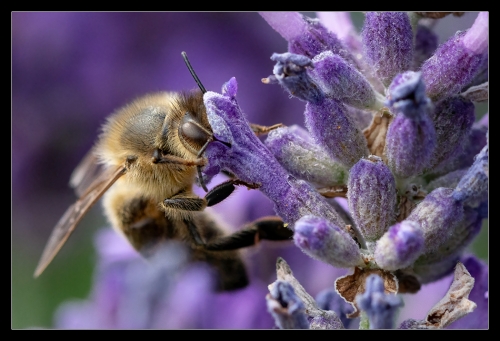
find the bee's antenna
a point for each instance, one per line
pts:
(188, 64)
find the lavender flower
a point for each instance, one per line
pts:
(294, 149)
(400, 246)
(472, 190)
(388, 43)
(372, 197)
(329, 299)
(402, 233)
(411, 138)
(324, 241)
(166, 292)
(456, 63)
(453, 119)
(380, 307)
(286, 307)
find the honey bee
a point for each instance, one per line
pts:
(144, 166)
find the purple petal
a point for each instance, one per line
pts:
(286, 307)
(426, 42)
(453, 119)
(290, 73)
(252, 162)
(289, 25)
(438, 214)
(333, 129)
(304, 159)
(380, 307)
(339, 23)
(329, 299)
(341, 81)
(457, 61)
(472, 189)
(388, 43)
(372, 197)
(400, 246)
(411, 137)
(463, 155)
(324, 241)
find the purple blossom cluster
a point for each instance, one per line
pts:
(413, 202)
(384, 184)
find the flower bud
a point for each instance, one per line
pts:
(329, 299)
(304, 159)
(400, 246)
(458, 238)
(411, 138)
(341, 81)
(482, 73)
(381, 308)
(456, 62)
(341, 24)
(333, 129)
(426, 42)
(449, 180)
(327, 242)
(438, 215)
(472, 189)
(305, 36)
(372, 197)
(286, 307)
(290, 72)
(388, 43)
(362, 118)
(453, 119)
(463, 155)
(251, 162)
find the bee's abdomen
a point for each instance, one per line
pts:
(147, 228)
(144, 225)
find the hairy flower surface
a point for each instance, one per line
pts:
(418, 178)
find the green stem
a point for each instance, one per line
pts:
(364, 323)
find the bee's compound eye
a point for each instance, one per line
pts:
(191, 133)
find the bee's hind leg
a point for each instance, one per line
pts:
(224, 189)
(267, 228)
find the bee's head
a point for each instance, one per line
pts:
(194, 130)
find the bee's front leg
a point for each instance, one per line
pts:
(185, 202)
(224, 189)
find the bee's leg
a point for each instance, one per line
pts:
(261, 130)
(189, 202)
(267, 228)
(158, 157)
(224, 189)
(186, 201)
(193, 231)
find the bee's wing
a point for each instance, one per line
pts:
(75, 213)
(85, 173)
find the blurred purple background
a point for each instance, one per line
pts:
(70, 71)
